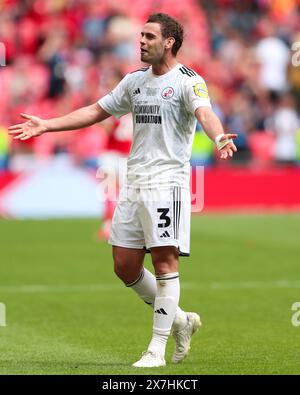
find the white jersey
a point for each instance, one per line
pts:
(163, 109)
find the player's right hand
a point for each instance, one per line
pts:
(34, 126)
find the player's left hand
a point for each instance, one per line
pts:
(226, 145)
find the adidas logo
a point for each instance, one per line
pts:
(160, 311)
(165, 234)
(137, 91)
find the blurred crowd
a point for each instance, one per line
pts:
(63, 54)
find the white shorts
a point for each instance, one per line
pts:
(149, 218)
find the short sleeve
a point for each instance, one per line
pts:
(117, 102)
(195, 93)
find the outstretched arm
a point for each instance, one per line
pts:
(214, 129)
(81, 118)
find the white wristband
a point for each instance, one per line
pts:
(221, 144)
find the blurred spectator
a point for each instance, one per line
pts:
(120, 37)
(285, 125)
(274, 56)
(53, 54)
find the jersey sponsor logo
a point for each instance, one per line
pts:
(147, 114)
(167, 93)
(156, 119)
(147, 109)
(187, 71)
(200, 90)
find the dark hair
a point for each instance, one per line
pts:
(169, 28)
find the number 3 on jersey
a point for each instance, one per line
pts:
(164, 217)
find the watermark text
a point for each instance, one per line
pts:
(114, 178)
(296, 316)
(2, 314)
(296, 54)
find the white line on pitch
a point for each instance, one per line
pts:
(39, 288)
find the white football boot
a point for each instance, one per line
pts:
(183, 337)
(150, 359)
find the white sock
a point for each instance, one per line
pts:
(145, 286)
(166, 302)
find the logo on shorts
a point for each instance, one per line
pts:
(165, 234)
(167, 93)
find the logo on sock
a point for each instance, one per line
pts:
(161, 311)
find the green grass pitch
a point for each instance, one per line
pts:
(67, 313)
